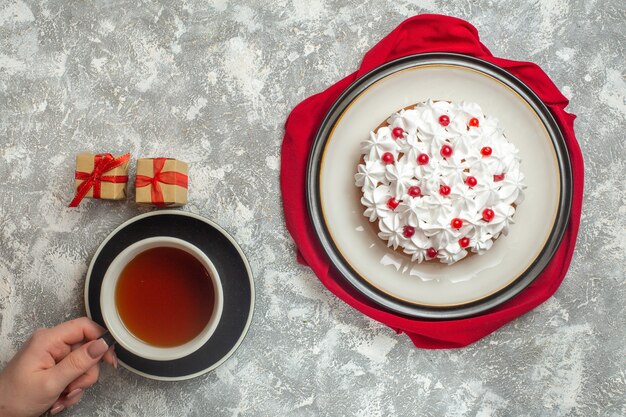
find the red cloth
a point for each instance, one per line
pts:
(423, 33)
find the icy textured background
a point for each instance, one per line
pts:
(212, 82)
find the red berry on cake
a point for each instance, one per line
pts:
(397, 133)
(444, 120)
(392, 203)
(446, 151)
(488, 215)
(456, 223)
(444, 190)
(464, 242)
(431, 252)
(471, 181)
(486, 151)
(414, 191)
(422, 159)
(473, 122)
(408, 231)
(388, 158)
(498, 177)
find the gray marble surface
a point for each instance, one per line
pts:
(211, 83)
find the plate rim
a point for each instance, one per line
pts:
(235, 245)
(416, 310)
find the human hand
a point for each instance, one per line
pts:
(53, 368)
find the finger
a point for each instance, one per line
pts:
(77, 330)
(64, 351)
(66, 402)
(68, 349)
(65, 337)
(110, 357)
(85, 380)
(61, 350)
(77, 363)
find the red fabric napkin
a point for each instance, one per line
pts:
(423, 33)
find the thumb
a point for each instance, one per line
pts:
(78, 362)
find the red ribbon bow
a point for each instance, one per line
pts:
(167, 177)
(103, 162)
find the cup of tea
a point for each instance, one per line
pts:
(161, 298)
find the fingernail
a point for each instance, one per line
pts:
(114, 360)
(74, 393)
(57, 409)
(97, 348)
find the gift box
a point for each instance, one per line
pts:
(100, 176)
(161, 182)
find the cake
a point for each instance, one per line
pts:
(440, 180)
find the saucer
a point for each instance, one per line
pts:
(231, 265)
(432, 290)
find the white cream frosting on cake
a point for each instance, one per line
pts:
(440, 180)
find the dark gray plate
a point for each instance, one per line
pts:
(345, 270)
(228, 259)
